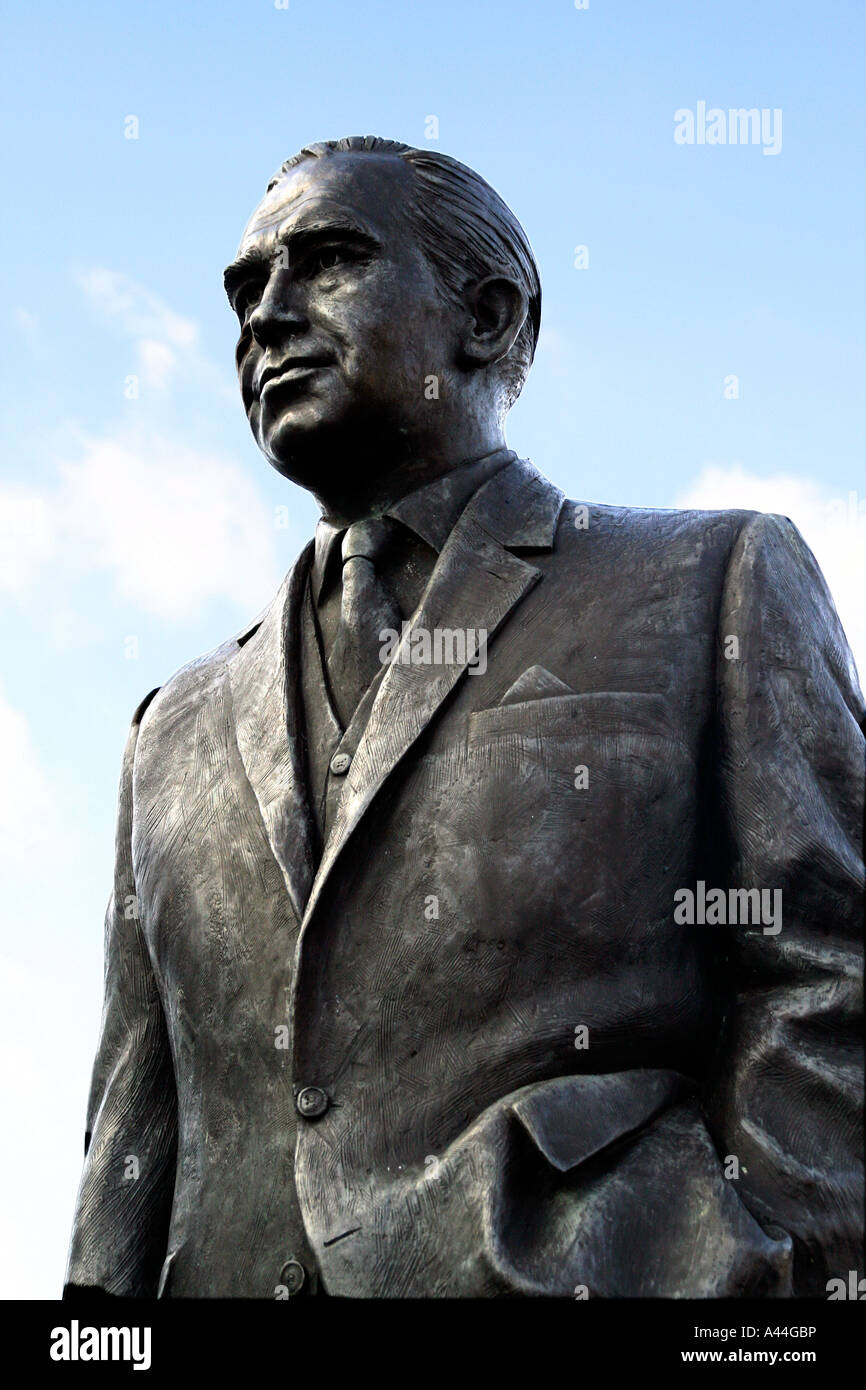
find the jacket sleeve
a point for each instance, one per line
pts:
(786, 1102)
(124, 1200)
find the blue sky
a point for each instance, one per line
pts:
(138, 533)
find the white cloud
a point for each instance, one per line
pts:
(175, 526)
(27, 537)
(833, 525)
(17, 979)
(157, 363)
(42, 1097)
(27, 322)
(138, 312)
(25, 803)
(167, 344)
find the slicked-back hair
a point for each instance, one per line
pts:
(465, 230)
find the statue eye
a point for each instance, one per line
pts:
(329, 257)
(325, 258)
(247, 297)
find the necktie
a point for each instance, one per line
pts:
(367, 608)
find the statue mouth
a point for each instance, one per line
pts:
(292, 370)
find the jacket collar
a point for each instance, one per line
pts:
(430, 511)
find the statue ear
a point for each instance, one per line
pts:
(497, 310)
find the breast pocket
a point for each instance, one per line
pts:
(626, 742)
(604, 714)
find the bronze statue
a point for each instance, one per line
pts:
(487, 913)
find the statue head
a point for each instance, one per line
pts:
(389, 305)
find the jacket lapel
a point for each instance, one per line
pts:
(266, 697)
(475, 585)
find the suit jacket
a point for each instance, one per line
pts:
(530, 1077)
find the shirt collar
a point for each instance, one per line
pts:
(430, 511)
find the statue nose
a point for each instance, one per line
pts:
(277, 313)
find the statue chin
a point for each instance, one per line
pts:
(325, 452)
(294, 444)
(319, 461)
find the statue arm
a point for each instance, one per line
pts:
(124, 1200)
(787, 1098)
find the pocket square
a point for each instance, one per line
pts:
(535, 684)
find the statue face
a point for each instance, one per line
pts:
(341, 317)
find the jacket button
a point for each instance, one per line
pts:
(293, 1276)
(340, 763)
(311, 1102)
